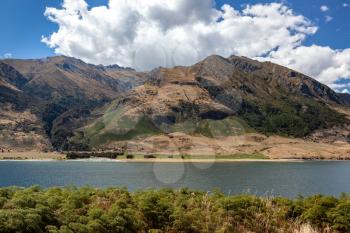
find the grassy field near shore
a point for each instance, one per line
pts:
(66, 210)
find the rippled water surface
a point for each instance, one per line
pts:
(272, 178)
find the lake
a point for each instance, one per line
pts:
(287, 179)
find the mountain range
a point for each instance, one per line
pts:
(219, 105)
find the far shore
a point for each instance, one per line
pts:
(32, 155)
(206, 160)
(55, 156)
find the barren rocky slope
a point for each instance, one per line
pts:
(19, 127)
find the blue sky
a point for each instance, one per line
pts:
(23, 23)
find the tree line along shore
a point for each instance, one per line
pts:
(87, 209)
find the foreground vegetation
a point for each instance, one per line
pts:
(67, 210)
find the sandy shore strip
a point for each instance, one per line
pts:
(207, 160)
(41, 156)
(32, 155)
(55, 156)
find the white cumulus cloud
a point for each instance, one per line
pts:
(162, 32)
(146, 34)
(324, 8)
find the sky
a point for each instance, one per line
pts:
(311, 36)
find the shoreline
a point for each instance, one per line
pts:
(174, 160)
(207, 160)
(33, 156)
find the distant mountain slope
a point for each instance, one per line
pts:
(275, 78)
(345, 97)
(19, 127)
(11, 94)
(61, 76)
(49, 87)
(217, 97)
(11, 76)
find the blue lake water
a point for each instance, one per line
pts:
(263, 178)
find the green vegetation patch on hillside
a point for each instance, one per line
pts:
(229, 126)
(288, 118)
(243, 156)
(116, 127)
(62, 115)
(99, 133)
(63, 210)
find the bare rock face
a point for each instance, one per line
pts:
(336, 134)
(178, 95)
(21, 130)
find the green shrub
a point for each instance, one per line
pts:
(58, 210)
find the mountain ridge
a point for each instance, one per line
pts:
(214, 89)
(83, 106)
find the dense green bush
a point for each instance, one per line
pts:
(91, 210)
(289, 118)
